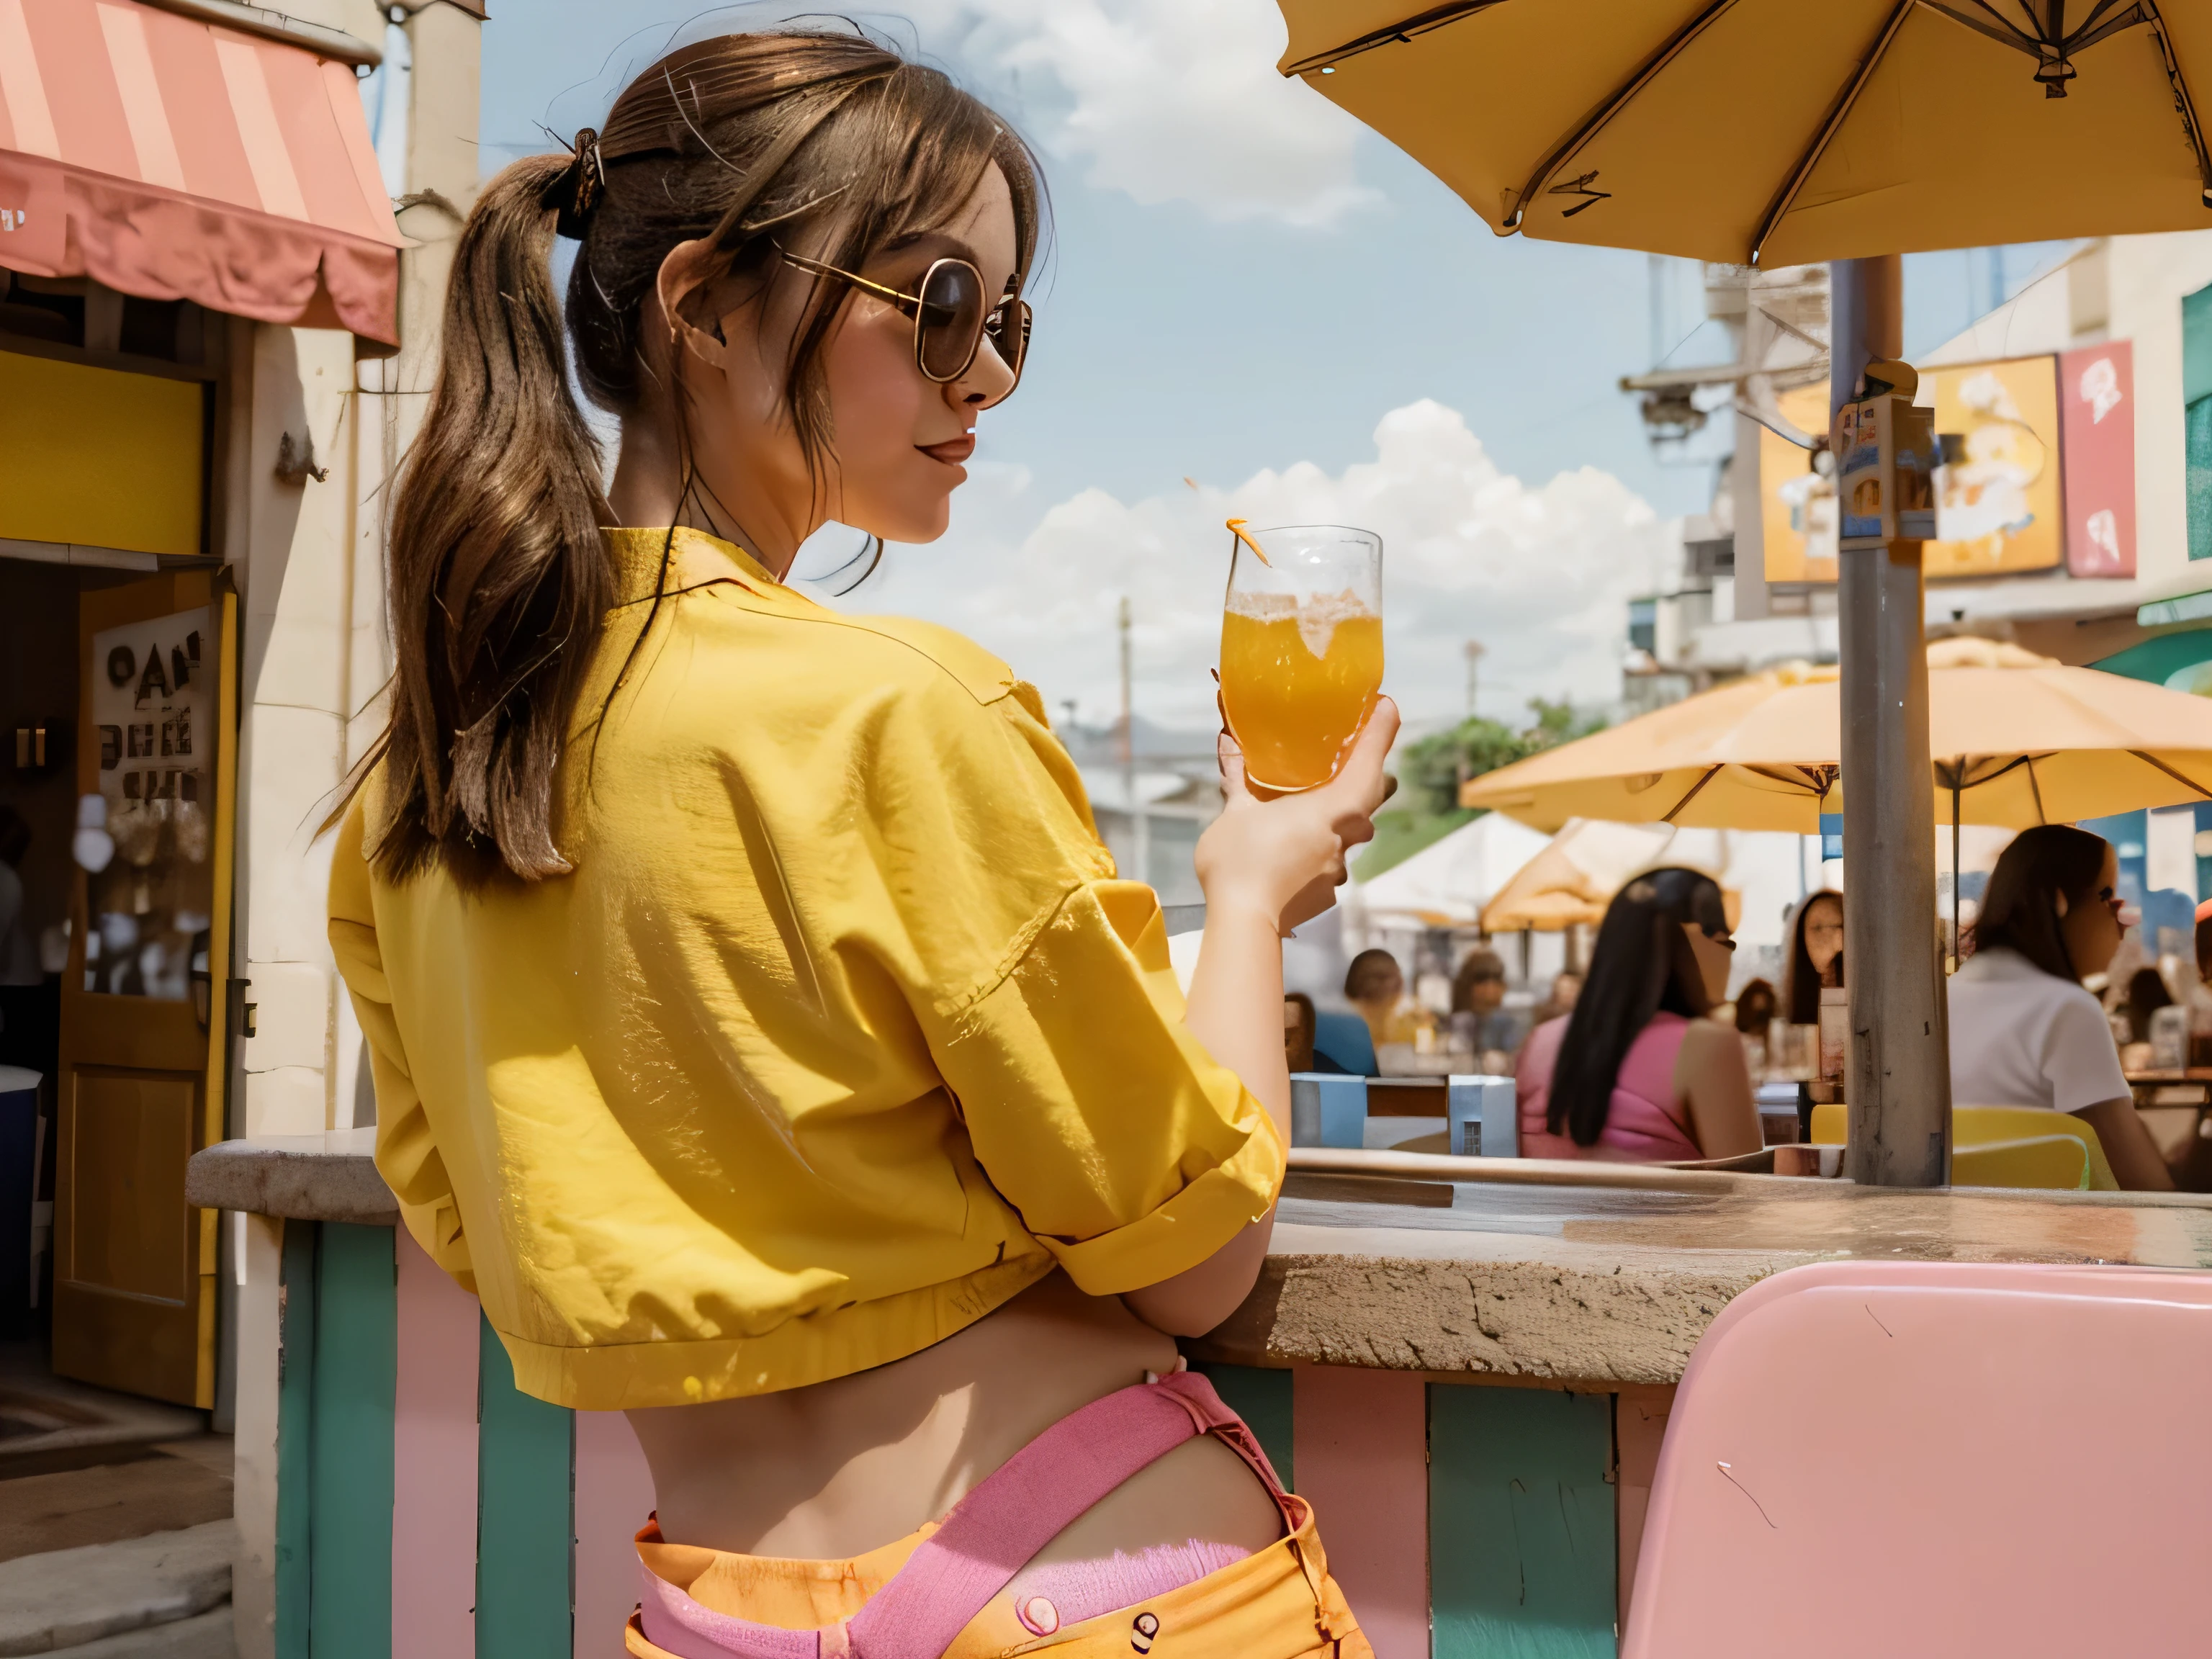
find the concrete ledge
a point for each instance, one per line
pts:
(209, 1635)
(69, 1598)
(1603, 1275)
(324, 1177)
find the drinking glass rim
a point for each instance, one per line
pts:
(1285, 529)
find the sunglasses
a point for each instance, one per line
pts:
(951, 317)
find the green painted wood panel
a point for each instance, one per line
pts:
(525, 1572)
(1262, 1399)
(1521, 1542)
(295, 1435)
(349, 1499)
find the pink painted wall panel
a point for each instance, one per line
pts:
(434, 1486)
(614, 1494)
(1639, 1424)
(1360, 1441)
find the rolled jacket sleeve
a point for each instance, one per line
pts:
(1130, 1153)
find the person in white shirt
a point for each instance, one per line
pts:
(2024, 1032)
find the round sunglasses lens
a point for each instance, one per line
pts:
(952, 319)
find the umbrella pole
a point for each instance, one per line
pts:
(1958, 949)
(1898, 1081)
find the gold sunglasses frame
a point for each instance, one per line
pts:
(910, 305)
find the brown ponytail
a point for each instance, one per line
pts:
(499, 577)
(498, 580)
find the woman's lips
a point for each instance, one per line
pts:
(953, 450)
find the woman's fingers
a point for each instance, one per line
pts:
(1361, 786)
(1234, 786)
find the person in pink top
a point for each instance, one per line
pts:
(1636, 1073)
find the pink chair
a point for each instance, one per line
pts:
(1873, 1458)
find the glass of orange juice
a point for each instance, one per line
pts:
(1301, 648)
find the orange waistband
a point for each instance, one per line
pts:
(1279, 1603)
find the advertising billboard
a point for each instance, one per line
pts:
(1997, 501)
(1797, 505)
(2005, 504)
(2097, 423)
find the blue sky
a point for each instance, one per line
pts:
(1247, 288)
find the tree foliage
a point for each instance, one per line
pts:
(1426, 806)
(1429, 771)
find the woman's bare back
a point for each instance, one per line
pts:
(832, 1471)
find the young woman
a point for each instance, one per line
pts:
(1816, 956)
(1374, 985)
(759, 1027)
(1636, 1074)
(2024, 1031)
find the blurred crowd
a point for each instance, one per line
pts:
(1643, 1055)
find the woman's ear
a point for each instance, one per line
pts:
(681, 285)
(2059, 905)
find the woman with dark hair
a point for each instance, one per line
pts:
(2147, 994)
(2024, 1031)
(758, 1024)
(1374, 985)
(1815, 962)
(1754, 1009)
(1636, 1073)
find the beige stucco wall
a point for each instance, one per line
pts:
(310, 562)
(2121, 288)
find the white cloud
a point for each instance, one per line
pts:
(1167, 101)
(1540, 575)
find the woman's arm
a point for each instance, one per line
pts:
(1714, 1082)
(1265, 865)
(2136, 1162)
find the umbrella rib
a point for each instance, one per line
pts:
(2035, 788)
(1667, 52)
(1788, 194)
(1391, 33)
(1995, 28)
(2152, 760)
(1711, 774)
(2182, 103)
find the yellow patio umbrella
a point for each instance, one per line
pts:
(1776, 132)
(1550, 894)
(2017, 739)
(1573, 881)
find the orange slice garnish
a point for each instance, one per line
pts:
(1237, 529)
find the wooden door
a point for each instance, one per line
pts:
(144, 1020)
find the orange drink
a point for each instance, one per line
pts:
(1301, 650)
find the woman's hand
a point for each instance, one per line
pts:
(1284, 856)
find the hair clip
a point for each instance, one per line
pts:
(574, 193)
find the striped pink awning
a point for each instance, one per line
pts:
(175, 158)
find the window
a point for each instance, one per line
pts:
(1644, 614)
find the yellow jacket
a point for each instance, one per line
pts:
(841, 1033)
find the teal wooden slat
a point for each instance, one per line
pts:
(524, 1456)
(1521, 1524)
(295, 1435)
(350, 1503)
(1262, 1399)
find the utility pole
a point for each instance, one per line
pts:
(1140, 828)
(1899, 1081)
(1473, 649)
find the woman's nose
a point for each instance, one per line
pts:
(988, 379)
